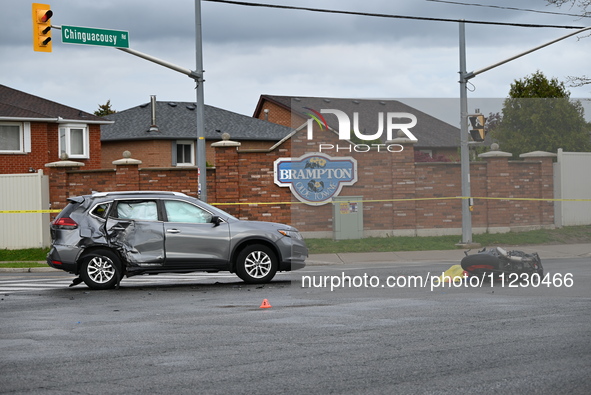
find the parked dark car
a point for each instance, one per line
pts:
(105, 236)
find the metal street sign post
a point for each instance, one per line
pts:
(93, 36)
(120, 39)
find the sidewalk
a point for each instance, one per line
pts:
(545, 252)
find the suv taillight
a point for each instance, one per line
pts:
(65, 223)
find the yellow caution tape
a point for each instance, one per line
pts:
(340, 201)
(28, 211)
(406, 200)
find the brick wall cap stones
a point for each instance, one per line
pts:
(226, 143)
(538, 154)
(495, 154)
(64, 163)
(127, 161)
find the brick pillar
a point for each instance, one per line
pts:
(227, 174)
(127, 173)
(498, 185)
(404, 186)
(546, 183)
(58, 181)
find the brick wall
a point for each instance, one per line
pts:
(276, 114)
(36, 159)
(158, 153)
(152, 153)
(400, 197)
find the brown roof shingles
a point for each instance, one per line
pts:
(20, 105)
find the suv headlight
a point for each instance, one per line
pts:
(291, 233)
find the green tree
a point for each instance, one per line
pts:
(539, 116)
(104, 110)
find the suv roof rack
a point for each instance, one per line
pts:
(102, 194)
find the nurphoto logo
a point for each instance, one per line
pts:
(393, 122)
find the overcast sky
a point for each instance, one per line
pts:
(249, 51)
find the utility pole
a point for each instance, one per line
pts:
(464, 154)
(200, 103)
(464, 150)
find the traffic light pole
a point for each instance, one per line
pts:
(197, 76)
(199, 106)
(464, 153)
(193, 74)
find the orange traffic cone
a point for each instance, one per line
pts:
(265, 304)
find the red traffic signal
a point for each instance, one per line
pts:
(44, 15)
(41, 27)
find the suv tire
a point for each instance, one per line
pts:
(100, 269)
(256, 264)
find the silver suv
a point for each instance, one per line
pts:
(105, 236)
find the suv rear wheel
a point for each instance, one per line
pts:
(100, 269)
(256, 264)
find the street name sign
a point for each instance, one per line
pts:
(93, 36)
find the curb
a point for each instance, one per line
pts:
(26, 269)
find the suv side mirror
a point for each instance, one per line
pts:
(216, 220)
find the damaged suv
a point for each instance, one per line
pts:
(105, 236)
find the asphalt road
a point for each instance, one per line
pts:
(380, 331)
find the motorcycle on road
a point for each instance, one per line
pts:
(496, 262)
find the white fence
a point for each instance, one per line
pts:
(24, 192)
(572, 180)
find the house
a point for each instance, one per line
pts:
(435, 137)
(36, 131)
(163, 134)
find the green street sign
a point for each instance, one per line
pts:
(92, 36)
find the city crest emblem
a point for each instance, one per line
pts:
(315, 178)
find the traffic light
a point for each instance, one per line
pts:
(477, 127)
(42, 27)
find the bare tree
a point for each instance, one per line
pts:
(583, 5)
(584, 8)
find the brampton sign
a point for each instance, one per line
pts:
(315, 178)
(93, 36)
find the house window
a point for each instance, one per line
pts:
(73, 140)
(15, 137)
(184, 153)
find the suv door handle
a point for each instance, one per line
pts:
(173, 231)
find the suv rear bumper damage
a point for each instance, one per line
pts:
(63, 258)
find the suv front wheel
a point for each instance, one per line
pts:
(256, 264)
(100, 269)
